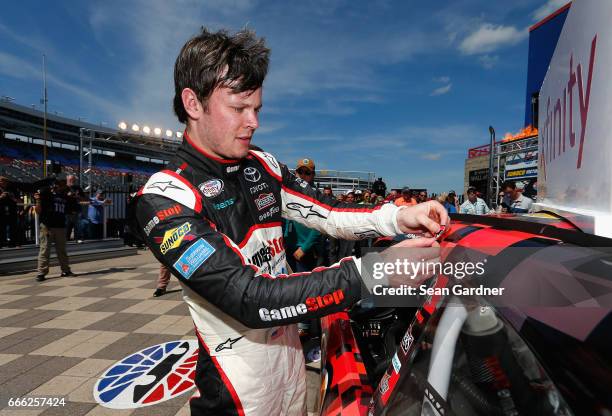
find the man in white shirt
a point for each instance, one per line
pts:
(474, 205)
(514, 199)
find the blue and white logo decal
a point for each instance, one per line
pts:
(153, 375)
(211, 188)
(193, 257)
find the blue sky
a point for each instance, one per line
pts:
(400, 88)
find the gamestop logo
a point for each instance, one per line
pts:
(267, 252)
(151, 376)
(310, 305)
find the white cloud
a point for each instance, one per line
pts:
(441, 91)
(13, 66)
(489, 37)
(551, 6)
(442, 79)
(488, 61)
(431, 156)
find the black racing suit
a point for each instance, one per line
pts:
(217, 225)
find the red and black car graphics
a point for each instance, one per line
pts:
(533, 359)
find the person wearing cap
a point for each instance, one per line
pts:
(474, 205)
(452, 202)
(406, 199)
(350, 197)
(50, 207)
(300, 241)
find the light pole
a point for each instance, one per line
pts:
(490, 181)
(45, 100)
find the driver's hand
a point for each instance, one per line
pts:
(419, 250)
(428, 217)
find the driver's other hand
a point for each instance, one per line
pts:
(419, 251)
(428, 217)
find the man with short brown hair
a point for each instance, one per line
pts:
(226, 245)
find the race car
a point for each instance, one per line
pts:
(480, 358)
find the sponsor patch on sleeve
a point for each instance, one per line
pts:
(193, 258)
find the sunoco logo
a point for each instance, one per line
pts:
(174, 237)
(310, 305)
(263, 201)
(153, 375)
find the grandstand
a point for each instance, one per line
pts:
(116, 153)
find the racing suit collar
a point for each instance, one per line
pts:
(198, 150)
(214, 163)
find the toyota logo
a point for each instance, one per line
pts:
(252, 174)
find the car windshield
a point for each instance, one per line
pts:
(469, 361)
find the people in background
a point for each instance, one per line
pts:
(514, 199)
(451, 203)
(74, 197)
(421, 196)
(301, 242)
(474, 205)
(95, 215)
(8, 214)
(162, 281)
(406, 199)
(51, 208)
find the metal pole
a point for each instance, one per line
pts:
(81, 138)
(497, 184)
(490, 181)
(90, 163)
(104, 215)
(36, 228)
(45, 117)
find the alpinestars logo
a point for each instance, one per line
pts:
(367, 234)
(227, 345)
(309, 305)
(270, 159)
(304, 210)
(163, 186)
(263, 201)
